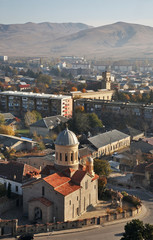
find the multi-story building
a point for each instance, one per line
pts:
(98, 106)
(103, 94)
(47, 104)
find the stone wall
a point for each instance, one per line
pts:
(49, 227)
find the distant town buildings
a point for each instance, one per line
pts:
(3, 58)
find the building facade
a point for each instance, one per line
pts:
(47, 104)
(67, 191)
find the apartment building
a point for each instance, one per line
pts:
(47, 104)
(98, 106)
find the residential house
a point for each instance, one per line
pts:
(45, 126)
(16, 174)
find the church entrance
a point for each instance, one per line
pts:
(37, 214)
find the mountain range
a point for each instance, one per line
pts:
(118, 40)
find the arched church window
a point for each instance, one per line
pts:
(71, 157)
(65, 157)
(60, 156)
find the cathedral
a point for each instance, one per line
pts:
(69, 188)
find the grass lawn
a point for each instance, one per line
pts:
(24, 132)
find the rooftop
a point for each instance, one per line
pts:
(106, 138)
(34, 95)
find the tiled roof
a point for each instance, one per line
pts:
(144, 147)
(67, 188)
(68, 171)
(78, 176)
(140, 168)
(132, 131)
(43, 200)
(56, 179)
(95, 177)
(83, 152)
(17, 171)
(106, 138)
(50, 122)
(48, 170)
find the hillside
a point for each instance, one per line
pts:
(118, 40)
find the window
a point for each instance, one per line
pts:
(43, 191)
(60, 156)
(86, 184)
(16, 188)
(70, 202)
(71, 157)
(65, 157)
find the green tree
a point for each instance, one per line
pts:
(134, 230)
(94, 121)
(37, 115)
(29, 118)
(148, 232)
(79, 123)
(102, 167)
(44, 78)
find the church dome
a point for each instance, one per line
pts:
(66, 138)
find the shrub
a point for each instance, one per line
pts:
(133, 200)
(124, 193)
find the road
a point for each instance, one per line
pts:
(114, 230)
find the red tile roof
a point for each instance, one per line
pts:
(78, 176)
(56, 179)
(47, 170)
(43, 200)
(68, 172)
(95, 177)
(67, 188)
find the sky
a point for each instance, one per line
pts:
(91, 12)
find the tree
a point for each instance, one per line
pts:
(79, 109)
(29, 118)
(102, 167)
(2, 119)
(79, 123)
(148, 232)
(8, 130)
(44, 78)
(37, 115)
(74, 89)
(94, 121)
(83, 90)
(135, 230)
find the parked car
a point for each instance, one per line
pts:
(26, 236)
(114, 154)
